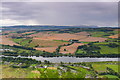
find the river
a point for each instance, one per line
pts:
(71, 59)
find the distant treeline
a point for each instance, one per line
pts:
(21, 60)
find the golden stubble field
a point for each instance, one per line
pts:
(115, 36)
(59, 36)
(6, 41)
(70, 49)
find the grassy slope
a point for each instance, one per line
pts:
(103, 67)
(114, 67)
(110, 76)
(80, 51)
(108, 50)
(104, 48)
(103, 34)
(21, 41)
(8, 72)
(99, 67)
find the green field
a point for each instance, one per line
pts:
(80, 51)
(22, 41)
(104, 48)
(110, 76)
(8, 72)
(103, 67)
(108, 50)
(103, 34)
(99, 67)
(47, 43)
(114, 67)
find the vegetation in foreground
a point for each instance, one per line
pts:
(22, 68)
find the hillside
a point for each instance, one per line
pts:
(65, 41)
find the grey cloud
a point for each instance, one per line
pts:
(63, 13)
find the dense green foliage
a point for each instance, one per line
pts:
(21, 60)
(100, 49)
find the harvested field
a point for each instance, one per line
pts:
(14, 35)
(7, 41)
(93, 39)
(115, 36)
(35, 72)
(52, 68)
(41, 34)
(82, 33)
(28, 32)
(117, 30)
(47, 43)
(47, 49)
(70, 49)
(6, 32)
(81, 36)
(62, 36)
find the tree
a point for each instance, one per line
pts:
(113, 45)
(65, 50)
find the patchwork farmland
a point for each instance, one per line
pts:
(51, 41)
(72, 43)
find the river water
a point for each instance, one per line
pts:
(71, 59)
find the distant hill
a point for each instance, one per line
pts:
(43, 27)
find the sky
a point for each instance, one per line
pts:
(59, 13)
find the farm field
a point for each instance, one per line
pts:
(47, 49)
(93, 39)
(73, 70)
(100, 67)
(115, 36)
(28, 32)
(103, 67)
(108, 50)
(70, 49)
(81, 36)
(111, 76)
(7, 41)
(55, 41)
(103, 34)
(114, 67)
(103, 48)
(8, 72)
(46, 43)
(60, 36)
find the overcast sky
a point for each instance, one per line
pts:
(60, 13)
